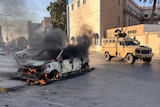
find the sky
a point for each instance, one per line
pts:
(142, 3)
(33, 10)
(18, 12)
(38, 7)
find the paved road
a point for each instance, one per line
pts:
(7, 65)
(111, 84)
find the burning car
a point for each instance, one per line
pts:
(52, 64)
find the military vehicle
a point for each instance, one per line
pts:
(125, 48)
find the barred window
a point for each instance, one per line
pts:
(72, 6)
(78, 3)
(84, 1)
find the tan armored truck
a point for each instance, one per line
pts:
(125, 48)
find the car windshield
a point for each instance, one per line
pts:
(131, 43)
(47, 54)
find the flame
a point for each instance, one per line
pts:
(36, 81)
(32, 71)
(41, 81)
(56, 76)
(42, 78)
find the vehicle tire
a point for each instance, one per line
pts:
(147, 59)
(86, 66)
(107, 56)
(130, 59)
(53, 75)
(24, 56)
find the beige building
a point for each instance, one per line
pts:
(100, 15)
(46, 22)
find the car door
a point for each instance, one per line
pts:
(121, 49)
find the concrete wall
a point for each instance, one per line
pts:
(136, 29)
(151, 28)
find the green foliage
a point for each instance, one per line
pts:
(58, 14)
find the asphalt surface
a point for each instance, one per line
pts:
(111, 84)
(8, 67)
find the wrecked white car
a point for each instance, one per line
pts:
(51, 65)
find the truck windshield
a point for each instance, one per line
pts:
(131, 43)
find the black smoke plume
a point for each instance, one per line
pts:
(84, 41)
(17, 13)
(48, 38)
(78, 50)
(55, 38)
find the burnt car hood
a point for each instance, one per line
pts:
(35, 63)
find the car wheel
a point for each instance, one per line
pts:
(107, 56)
(130, 59)
(53, 75)
(24, 56)
(147, 59)
(85, 66)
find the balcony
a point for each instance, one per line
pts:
(133, 13)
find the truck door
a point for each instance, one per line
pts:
(121, 49)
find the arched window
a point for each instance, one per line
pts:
(73, 39)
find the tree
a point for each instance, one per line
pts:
(153, 8)
(57, 12)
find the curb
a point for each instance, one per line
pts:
(5, 90)
(6, 87)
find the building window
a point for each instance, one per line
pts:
(119, 21)
(119, 2)
(155, 14)
(129, 22)
(96, 36)
(84, 1)
(146, 15)
(72, 6)
(78, 3)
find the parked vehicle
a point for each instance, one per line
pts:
(2, 52)
(52, 64)
(125, 48)
(28, 52)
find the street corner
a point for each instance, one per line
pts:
(7, 85)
